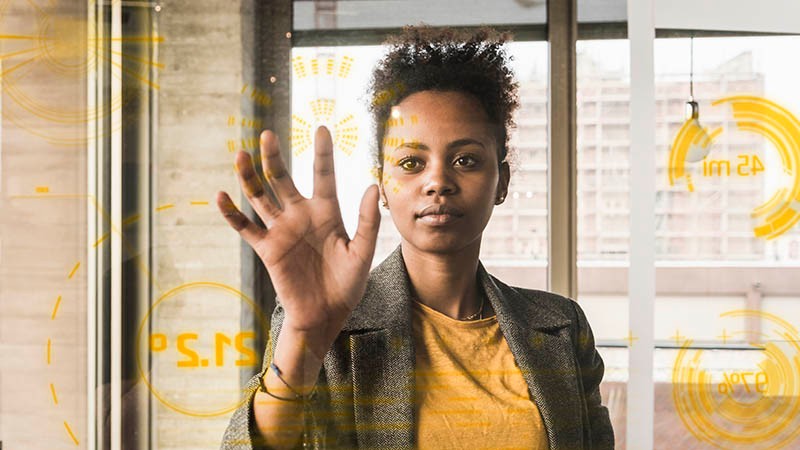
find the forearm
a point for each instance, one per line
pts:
(280, 422)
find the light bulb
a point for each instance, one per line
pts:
(701, 143)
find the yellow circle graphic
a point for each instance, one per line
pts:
(767, 119)
(756, 407)
(48, 45)
(224, 350)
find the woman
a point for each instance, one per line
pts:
(428, 350)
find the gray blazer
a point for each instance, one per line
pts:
(365, 393)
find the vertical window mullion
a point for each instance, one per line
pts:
(562, 148)
(641, 274)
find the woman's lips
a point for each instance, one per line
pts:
(438, 219)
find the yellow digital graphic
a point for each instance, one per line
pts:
(754, 406)
(322, 110)
(393, 139)
(693, 161)
(250, 127)
(390, 95)
(197, 349)
(194, 350)
(49, 46)
(49, 350)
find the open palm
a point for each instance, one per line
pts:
(319, 274)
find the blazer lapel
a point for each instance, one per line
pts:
(382, 357)
(538, 336)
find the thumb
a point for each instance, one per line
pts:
(369, 220)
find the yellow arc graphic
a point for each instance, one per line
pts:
(55, 47)
(757, 409)
(775, 123)
(43, 193)
(142, 328)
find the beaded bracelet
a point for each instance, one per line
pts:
(263, 387)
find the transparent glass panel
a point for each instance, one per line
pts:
(603, 187)
(723, 258)
(725, 226)
(43, 239)
(603, 211)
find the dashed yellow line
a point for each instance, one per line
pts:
(132, 39)
(45, 190)
(71, 434)
(100, 241)
(131, 219)
(74, 269)
(55, 308)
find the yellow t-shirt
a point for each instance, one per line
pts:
(470, 393)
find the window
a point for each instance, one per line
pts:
(119, 277)
(705, 240)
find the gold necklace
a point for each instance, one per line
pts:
(480, 311)
(469, 317)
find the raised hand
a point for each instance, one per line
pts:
(319, 274)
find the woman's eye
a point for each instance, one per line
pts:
(404, 163)
(471, 160)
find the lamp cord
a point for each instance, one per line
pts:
(691, 68)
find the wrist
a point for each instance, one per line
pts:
(298, 393)
(315, 342)
(299, 351)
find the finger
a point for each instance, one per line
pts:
(249, 231)
(254, 189)
(369, 220)
(275, 170)
(324, 178)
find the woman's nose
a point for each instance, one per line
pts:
(440, 180)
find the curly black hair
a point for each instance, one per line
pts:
(445, 59)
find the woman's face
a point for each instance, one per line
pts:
(439, 151)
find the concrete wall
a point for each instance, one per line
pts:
(200, 88)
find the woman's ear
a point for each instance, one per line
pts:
(384, 201)
(502, 182)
